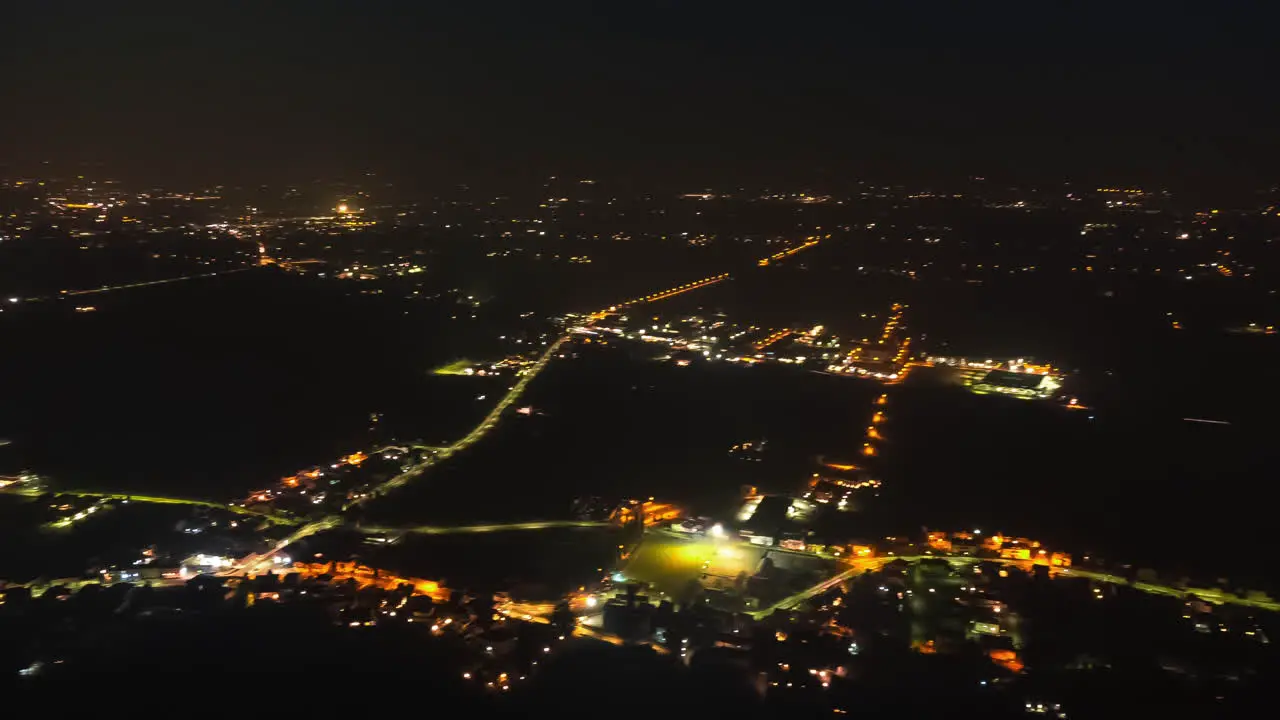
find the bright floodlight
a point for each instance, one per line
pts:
(591, 601)
(716, 530)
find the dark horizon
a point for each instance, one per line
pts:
(244, 94)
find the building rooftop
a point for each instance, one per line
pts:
(1004, 378)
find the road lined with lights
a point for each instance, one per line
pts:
(478, 432)
(868, 564)
(273, 516)
(808, 243)
(772, 338)
(491, 420)
(130, 286)
(265, 562)
(149, 283)
(490, 528)
(859, 566)
(663, 294)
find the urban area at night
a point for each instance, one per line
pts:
(559, 403)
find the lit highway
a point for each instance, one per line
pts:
(273, 516)
(1209, 594)
(810, 242)
(772, 338)
(663, 294)
(264, 562)
(491, 528)
(858, 567)
(540, 612)
(864, 565)
(149, 283)
(478, 432)
(495, 415)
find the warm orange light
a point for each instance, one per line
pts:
(839, 466)
(1007, 659)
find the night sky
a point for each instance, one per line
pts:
(696, 93)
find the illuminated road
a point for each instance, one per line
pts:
(772, 338)
(495, 415)
(491, 420)
(859, 567)
(541, 612)
(1209, 594)
(275, 517)
(149, 283)
(865, 565)
(478, 432)
(264, 562)
(663, 294)
(808, 243)
(474, 529)
(583, 631)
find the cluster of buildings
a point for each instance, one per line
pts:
(24, 482)
(697, 338)
(884, 357)
(1019, 378)
(972, 617)
(330, 488)
(87, 207)
(510, 364)
(974, 544)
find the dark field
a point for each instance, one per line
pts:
(534, 564)
(1128, 486)
(613, 425)
(212, 387)
(110, 537)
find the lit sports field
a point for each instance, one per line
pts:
(669, 560)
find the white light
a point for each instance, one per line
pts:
(591, 601)
(716, 530)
